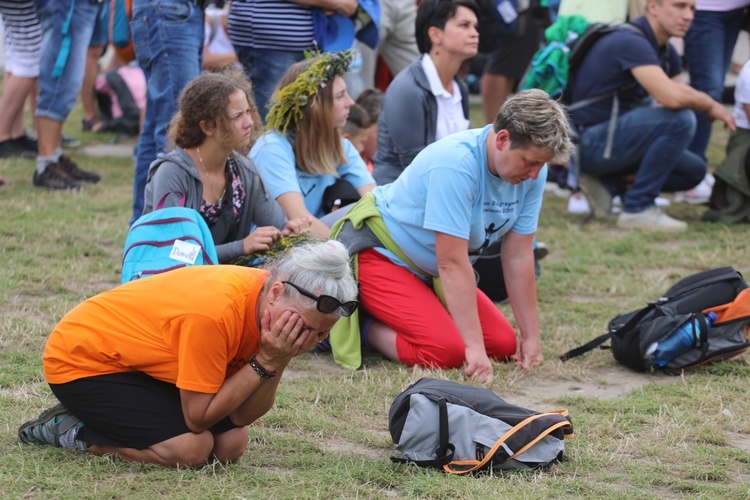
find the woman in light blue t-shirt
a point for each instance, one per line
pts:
(459, 195)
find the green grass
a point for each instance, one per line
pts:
(637, 436)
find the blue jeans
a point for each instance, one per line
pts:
(264, 68)
(650, 143)
(709, 44)
(168, 42)
(57, 96)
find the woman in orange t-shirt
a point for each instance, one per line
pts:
(171, 370)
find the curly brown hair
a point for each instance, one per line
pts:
(205, 99)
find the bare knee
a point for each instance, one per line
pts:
(186, 450)
(229, 446)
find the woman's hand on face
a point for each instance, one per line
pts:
(260, 239)
(529, 355)
(478, 365)
(310, 339)
(296, 226)
(283, 340)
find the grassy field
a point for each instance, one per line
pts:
(637, 436)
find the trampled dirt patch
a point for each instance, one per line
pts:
(737, 440)
(605, 382)
(536, 389)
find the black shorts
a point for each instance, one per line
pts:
(128, 410)
(516, 50)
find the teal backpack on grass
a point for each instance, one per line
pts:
(166, 239)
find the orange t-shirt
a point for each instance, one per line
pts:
(192, 327)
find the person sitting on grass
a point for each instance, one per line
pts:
(207, 172)
(414, 240)
(302, 154)
(428, 100)
(172, 369)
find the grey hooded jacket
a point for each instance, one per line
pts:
(408, 121)
(173, 174)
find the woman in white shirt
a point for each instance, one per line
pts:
(427, 101)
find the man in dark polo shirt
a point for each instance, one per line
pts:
(655, 123)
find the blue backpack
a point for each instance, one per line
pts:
(166, 239)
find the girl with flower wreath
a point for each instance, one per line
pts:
(302, 154)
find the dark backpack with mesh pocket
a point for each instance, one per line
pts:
(462, 429)
(721, 290)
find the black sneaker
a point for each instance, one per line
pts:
(72, 169)
(54, 177)
(28, 143)
(10, 148)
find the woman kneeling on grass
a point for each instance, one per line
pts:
(415, 238)
(171, 370)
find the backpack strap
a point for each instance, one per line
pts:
(445, 451)
(62, 56)
(603, 338)
(538, 426)
(588, 346)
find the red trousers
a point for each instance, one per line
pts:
(426, 333)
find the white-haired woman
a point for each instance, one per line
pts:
(171, 370)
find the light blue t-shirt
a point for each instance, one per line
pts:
(449, 188)
(274, 158)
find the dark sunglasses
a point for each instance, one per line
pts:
(327, 304)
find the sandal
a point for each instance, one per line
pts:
(93, 125)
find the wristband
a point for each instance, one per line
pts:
(262, 372)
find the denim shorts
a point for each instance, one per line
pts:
(57, 96)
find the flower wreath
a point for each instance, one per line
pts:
(289, 101)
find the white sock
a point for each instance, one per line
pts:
(69, 441)
(43, 161)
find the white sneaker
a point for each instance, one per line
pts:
(662, 202)
(651, 219)
(578, 204)
(700, 194)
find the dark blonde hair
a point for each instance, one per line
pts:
(205, 99)
(532, 119)
(317, 142)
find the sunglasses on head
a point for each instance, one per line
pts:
(327, 304)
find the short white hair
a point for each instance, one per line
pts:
(321, 268)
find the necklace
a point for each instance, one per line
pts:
(208, 180)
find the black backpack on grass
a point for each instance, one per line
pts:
(462, 429)
(722, 291)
